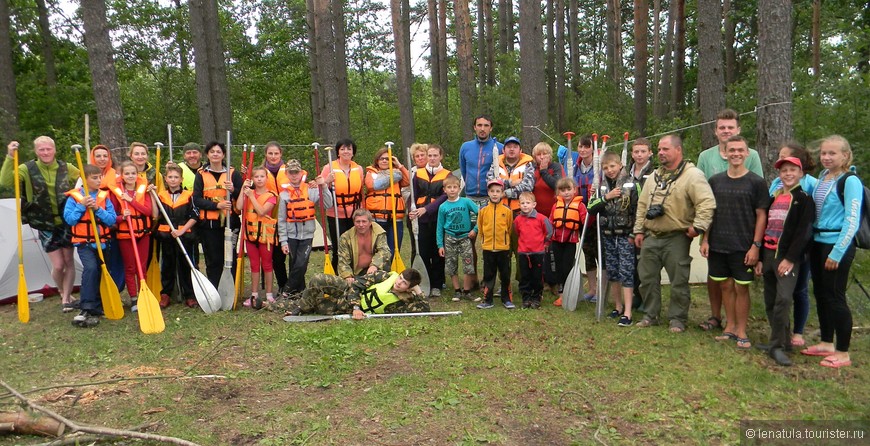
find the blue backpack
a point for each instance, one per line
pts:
(862, 237)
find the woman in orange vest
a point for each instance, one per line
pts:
(131, 198)
(381, 200)
(210, 187)
(101, 157)
(257, 202)
(346, 178)
(138, 154)
(277, 180)
(428, 184)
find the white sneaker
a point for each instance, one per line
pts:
(436, 292)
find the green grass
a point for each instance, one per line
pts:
(487, 377)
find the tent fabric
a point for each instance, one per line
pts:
(37, 266)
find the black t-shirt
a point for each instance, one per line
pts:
(736, 201)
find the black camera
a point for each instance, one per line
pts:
(655, 211)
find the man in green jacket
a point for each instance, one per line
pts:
(363, 248)
(44, 183)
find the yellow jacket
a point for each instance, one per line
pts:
(494, 224)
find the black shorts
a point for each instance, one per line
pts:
(57, 238)
(722, 266)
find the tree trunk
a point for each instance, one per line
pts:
(490, 44)
(614, 42)
(328, 78)
(574, 44)
(465, 64)
(505, 26)
(200, 65)
(667, 63)
(730, 53)
(183, 53)
(559, 120)
(482, 70)
(533, 106)
(774, 124)
(816, 38)
(679, 87)
(220, 93)
(104, 81)
(402, 38)
(340, 67)
(657, 62)
(8, 97)
(316, 96)
(442, 73)
(439, 106)
(711, 82)
(641, 54)
(551, 59)
(47, 45)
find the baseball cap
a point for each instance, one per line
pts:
(495, 181)
(512, 139)
(789, 159)
(293, 166)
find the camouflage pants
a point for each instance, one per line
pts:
(458, 250)
(324, 294)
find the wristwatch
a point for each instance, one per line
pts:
(757, 244)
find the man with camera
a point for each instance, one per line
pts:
(676, 206)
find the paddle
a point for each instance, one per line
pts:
(152, 275)
(344, 317)
(109, 295)
(417, 261)
(569, 166)
(327, 265)
(334, 204)
(226, 287)
(602, 292)
(206, 294)
(398, 265)
(574, 282)
(23, 303)
(150, 317)
(240, 258)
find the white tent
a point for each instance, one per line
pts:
(37, 267)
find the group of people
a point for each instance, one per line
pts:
(520, 207)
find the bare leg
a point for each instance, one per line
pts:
(715, 293)
(728, 301)
(627, 297)
(614, 291)
(63, 272)
(268, 276)
(741, 309)
(255, 282)
(592, 280)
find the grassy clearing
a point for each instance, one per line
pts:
(487, 377)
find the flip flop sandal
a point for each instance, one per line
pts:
(744, 344)
(798, 342)
(835, 363)
(711, 323)
(816, 351)
(727, 336)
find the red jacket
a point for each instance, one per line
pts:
(533, 232)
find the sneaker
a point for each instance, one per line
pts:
(527, 304)
(80, 318)
(455, 298)
(535, 305)
(68, 307)
(591, 298)
(91, 321)
(164, 300)
(484, 306)
(624, 321)
(270, 298)
(558, 302)
(249, 302)
(509, 305)
(615, 314)
(191, 302)
(134, 307)
(436, 292)
(477, 299)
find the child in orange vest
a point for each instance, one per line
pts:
(178, 204)
(132, 199)
(76, 215)
(259, 230)
(567, 217)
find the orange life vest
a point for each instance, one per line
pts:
(568, 216)
(83, 230)
(515, 174)
(348, 188)
(380, 202)
(429, 187)
(214, 190)
(259, 228)
(176, 210)
(141, 222)
(299, 207)
(277, 183)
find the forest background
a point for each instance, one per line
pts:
(298, 71)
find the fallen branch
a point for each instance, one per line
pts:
(103, 431)
(81, 438)
(23, 422)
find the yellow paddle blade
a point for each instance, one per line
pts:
(23, 303)
(110, 297)
(152, 276)
(240, 277)
(327, 266)
(150, 317)
(398, 265)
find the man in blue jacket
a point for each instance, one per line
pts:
(475, 162)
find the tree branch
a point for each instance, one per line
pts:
(75, 427)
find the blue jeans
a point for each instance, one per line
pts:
(90, 289)
(388, 226)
